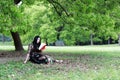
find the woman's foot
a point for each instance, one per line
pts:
(59, 61)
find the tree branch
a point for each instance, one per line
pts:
(55, 8)
(55, 2)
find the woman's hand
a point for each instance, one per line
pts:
(25, 62)
(42, 46)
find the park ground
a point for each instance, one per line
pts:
(99, 62)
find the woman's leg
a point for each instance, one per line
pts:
(52, 60)
(42, 57)
(58, 61)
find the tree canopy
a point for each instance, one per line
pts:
(72, 21)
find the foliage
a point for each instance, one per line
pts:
(92, 15)
(80, 18)
(41, 22)
(11, 16)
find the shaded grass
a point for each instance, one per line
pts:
(80, 63)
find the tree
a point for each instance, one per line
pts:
(11, 20)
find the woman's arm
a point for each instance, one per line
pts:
(27, 58)
(28, 54)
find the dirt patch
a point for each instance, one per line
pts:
(6, 56)
(11, 54)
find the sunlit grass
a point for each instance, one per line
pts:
(98, 48)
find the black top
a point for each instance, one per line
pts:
(35, 58)
(36, 45)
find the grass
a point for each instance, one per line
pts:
(80, 63)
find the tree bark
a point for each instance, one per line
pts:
(46, 41)
(17, 41)
(108, 41)
(59, 29)
(91, 39)
(119, 39)
(3, 38)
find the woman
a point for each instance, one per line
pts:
(35, 53)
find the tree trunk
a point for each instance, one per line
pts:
(119, 39)
(108, 41)
(46, 41)
(3, 38)
(17, 41)
(91, 39)
(59, 29)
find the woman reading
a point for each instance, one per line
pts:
(35, 53)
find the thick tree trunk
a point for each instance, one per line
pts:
(17, 41)
(91, 39)
(119, 39)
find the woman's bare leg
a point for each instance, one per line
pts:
(58, 61)
(54, 60)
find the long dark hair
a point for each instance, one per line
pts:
(35, 44)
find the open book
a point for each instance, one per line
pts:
(42, 46)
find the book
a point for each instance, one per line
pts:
(42, 46)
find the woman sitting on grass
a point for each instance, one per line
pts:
(35, 53)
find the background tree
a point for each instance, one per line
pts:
(115, 15)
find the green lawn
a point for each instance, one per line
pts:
(80, 63)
